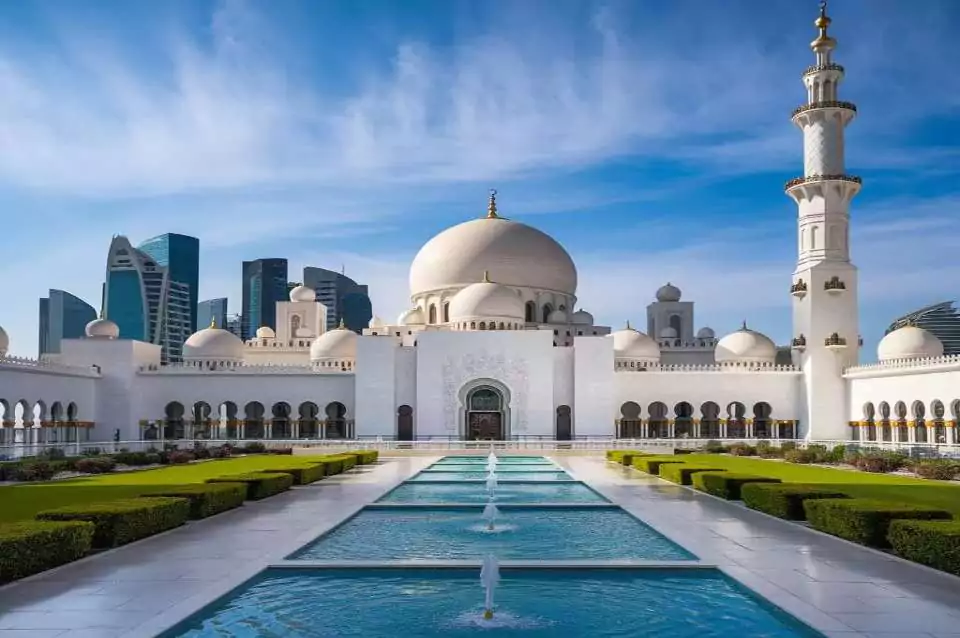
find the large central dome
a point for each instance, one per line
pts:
(513, 254)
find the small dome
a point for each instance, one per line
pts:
(412, 317)
(633, 344)
(582, 318)
(101, 329)
(747, 346)
(302, 294)
(266, 332)
(340, 343)
(213, 344)
(557, 316)
(486, 300)
(4, 342)
(376, 322)
(706, 333)
(668, 333)
(909, 342)
(668, 292)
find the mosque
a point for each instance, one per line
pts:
(495, 347)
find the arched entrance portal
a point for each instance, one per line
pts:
(564, 423)
(485, 415)
(404, 423)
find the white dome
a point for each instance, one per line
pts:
(302, 294)
(706, 333)
(4, 342)
(486, 300)
(412, 317)
(633, 344)
(213, 344)
(557, 316)
(745, 345)
(582, 318)
(101, 329)
(266, 332)
(668, 333)
(376, 322)
(335, 344)
(514, 254)
(668, 292)
(909, 342)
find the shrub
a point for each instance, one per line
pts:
(367, 457)
(34, 471)
(682, 473)
(347, 461)
(302, 475)
(179, 457)
(932, 543)
(727, 484)
(742, 449)
(881, 461)
(200, 451)
(784, 500)
(939, 469)
(864, 521)
(624, 457)
(124, 520)
(30, 547)
(651, 465)
(786, 446)
(330, 465)
(254, 447)
(713, 447)
(95, 465)
(136, 458)
(627, 457)
(836, 455)
(280, 450)
(207, 499)
(91, 451)
(819, 452)
(222, 452)
(52, 454)
(259, 484)
(851, 456)
(153, 458)
(800, 456)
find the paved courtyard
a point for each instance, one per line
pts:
(844, 590)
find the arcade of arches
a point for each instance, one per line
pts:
(35, 423)
(886, 422)
(253, 420)
(709, 421)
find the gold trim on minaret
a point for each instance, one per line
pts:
(822, 22)
(492, 205)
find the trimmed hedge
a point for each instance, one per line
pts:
(727, 484)
(624, 457)
(367, 457)
(864, 521)
(124, 520)
(348, 461)
(330, 466)
(651, 465)
(784, 500)
(302, 475)
(30, 547)
(207, 499)
(932, 543)
(260, 485)
(682, 473)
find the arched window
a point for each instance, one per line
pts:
(294, 325)
(547, 309)
(432, 314)
(446, 311)
(530, 312)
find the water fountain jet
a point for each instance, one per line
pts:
(491, 483)
(490, 514)
(489, 577)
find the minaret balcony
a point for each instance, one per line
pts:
(799, 289)
(835, 342)
(817, 68)
(824, 104)
(813, 179)
(799, 343)
(834, 286)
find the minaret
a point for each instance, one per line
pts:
(824, 284)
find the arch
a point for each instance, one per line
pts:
(228, 419)
(884, 410)
(173, 420)
(736, 420)
(710, 420)
(484, 418)
(868, 411)
(676, 322)
(762, 424)
(39, 413)
(630, 422)
(564, 427)
(253, 420)
(432, 314)
(405, 423)
(683, 420)
(900, 411)
(446, 311)
(309, 422)
(336, 422)
(56, 412)
(280, 421)
(5, 413)
(814, 234)
(938, 412)
(955, 409)
(21, 413)
(657, 424)
(530, 312)
(73, 413)
(294, 325)
(918, 412)
(547, 309)
(201, 419)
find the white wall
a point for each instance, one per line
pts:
(594, 393)
(46, 384)
(376, 373)
(908, 385)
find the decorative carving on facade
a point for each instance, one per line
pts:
(482, 365)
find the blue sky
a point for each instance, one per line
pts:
(651, 138)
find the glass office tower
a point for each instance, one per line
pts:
(62, 316)
(264, 284)
(344, 298)
(942, 319)
(212, 310)
(179, 255)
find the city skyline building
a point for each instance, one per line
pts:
(62, 316)
(212, 312)
(344, 298)
(264, 284)
(942, 319)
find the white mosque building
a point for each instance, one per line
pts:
(494, 346)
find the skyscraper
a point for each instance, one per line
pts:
(942, 319)
(264, 284)
(142, 297)
(180, 255)
(344, 298)
(62, 316)
(212, 310)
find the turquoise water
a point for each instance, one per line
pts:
(458, 492)
(513, 468)
(460, 533)
(528, 604)
(501, 460)
(501, 477)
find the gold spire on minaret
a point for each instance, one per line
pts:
(822, 22)
(213, 322)
(492, 205)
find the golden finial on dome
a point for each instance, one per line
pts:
(486, 277)
(213, 322)
(492, 206)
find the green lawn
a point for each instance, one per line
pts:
(859, 484)
(19, 502)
